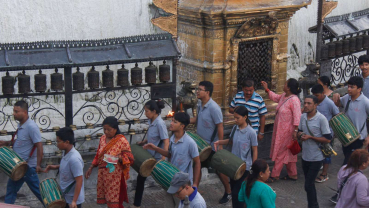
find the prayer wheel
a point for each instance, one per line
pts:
(136, 75)
(150, 74)
(40, 82)
(324, 52)
(93, 77)
(331, 50)
(164, 72)
(108, 77)
(78, 80)
(339, 45)
(8, 84)
(352, 44)
(359, 43)
(346, 47)
(56, 81)
(122, 77)
(24, 83)
(366, 42)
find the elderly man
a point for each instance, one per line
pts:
(254, 104)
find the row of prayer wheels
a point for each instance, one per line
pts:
(93, 76)
(345, 47)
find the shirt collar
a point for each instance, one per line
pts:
(172, 139)
(244, 130)
(69, 154)
(358, 98)
(193, 195)
(314, 117)
(252, 96)
(155, 121)
(208, 103)
(24, 125)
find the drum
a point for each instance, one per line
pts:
(163, 173)
(203, 147)
(12, 164)
(51, 194)
(144, 161)
(229, 164)
(344, 129)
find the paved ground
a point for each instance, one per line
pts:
(289, 194)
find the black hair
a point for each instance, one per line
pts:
(208, 86)
(112, 122)
(187, 184)
(358, 81)
(242, 111)
(313, 97)
(22, 104)
(248, 83)
(317, 89)
(155, 105)
(183, 118)
(294, 86)
(257, 167)
(66, 134)
(363, 58)
(325, 80)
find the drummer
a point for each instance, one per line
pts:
(209, 124)
(29, 147)
(356, 107)
(157, 134)
(244, 145)
(70, 168)
(182, 153)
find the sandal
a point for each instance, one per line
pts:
(271, 180)
(322, 178)
(287, 177)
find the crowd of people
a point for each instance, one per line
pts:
(308, 125)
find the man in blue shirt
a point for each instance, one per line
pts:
(29, 147)
(364, 66)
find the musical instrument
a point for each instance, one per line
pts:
(229, 164)
(203, 147)
(51, 194)
(344, 129)
(12, 164)
(163, 173)
(144, 161)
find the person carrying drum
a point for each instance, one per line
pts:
(209, 125)
(70, 169)
(180, 187)
(254, 104)
(244, 145)
(157, 134)
(313, 131)
(326, 107)
(182, 153)
(29, 147)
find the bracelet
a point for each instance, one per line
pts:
(261, 133)
(296, 130)
(267, 90)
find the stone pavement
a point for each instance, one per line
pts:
(290, 194)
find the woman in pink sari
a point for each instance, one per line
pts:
(287, 119)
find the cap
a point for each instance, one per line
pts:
(178, 180)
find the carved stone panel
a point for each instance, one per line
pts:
(258, 26)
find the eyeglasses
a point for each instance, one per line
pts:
(178, 192)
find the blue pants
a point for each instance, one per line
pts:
(13, 187)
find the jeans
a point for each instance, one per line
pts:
(13, 187)
(347, 151)
(311, 170)
(78, 206)
(235, 187)
(139, 190)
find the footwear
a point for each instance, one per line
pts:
(288, 178)
(334, 199)
(322, 178)
(226, 198)
(271, 180)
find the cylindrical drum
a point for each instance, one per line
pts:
(40, 82)
(339, 46)
(163, 173)
(122, 79)
(136, 75)
(359, 43)
(203, 147)
(331, 50)
(12, 164)
(164, 72)
(24, 83)
(324, 52)
(344, 129)
(8, 84)
(144, 161)
(366, 42)
(352, 44)
(78, 80)
(51, 194)
(346, 47)
(150, 74)
(93, 77)
(56, 81)
(108, 77)
(229, 164)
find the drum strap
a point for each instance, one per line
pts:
(231, 140)
(346, 109)
(325, 148)
(13, 138)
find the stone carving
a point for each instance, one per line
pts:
(258, 26)
(187, 98)
(310, 77)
